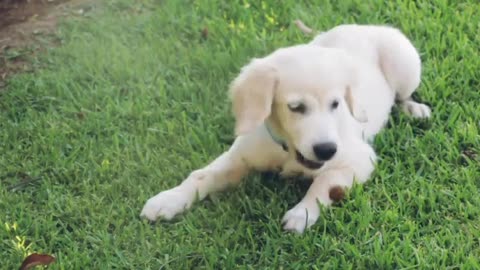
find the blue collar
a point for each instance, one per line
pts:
(276, 138)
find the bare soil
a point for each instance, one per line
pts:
(22, 23)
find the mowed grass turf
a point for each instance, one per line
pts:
(135, 98)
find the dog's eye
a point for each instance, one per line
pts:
(334, 105)
(297, 107)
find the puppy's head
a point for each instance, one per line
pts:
(304, 93)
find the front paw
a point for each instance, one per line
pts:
(415, 109)
(300, 217)
(166, 204)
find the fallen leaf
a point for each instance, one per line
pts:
(205, 33)
(81, 115)
(470, 153)
(337, 193)
(36, 259)
(25, 180)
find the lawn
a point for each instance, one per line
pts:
(134, 97)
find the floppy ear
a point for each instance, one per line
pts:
(358, 113)
(252, 95)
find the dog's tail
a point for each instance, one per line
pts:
(305, 29)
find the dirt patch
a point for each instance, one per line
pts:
(17, 11)
(23, 24)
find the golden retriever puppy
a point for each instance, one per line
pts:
(310, 109)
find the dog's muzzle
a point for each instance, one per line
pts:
(310, 164)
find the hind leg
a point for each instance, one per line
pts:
(401, 65)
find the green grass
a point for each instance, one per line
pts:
(135, 98)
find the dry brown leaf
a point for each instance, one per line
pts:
(204, 33)
(337, 193)
(36, 259)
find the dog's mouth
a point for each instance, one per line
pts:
(310, 164)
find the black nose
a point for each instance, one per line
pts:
(325, 151)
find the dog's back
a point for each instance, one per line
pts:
(383, 46)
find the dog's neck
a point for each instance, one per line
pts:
(276, 138)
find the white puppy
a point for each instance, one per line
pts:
(309, 109)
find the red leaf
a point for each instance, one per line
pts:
(36, 259)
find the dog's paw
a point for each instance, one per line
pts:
(415, 109)
(166, 205)
(300, 217)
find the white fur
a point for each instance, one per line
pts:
(363, 67)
